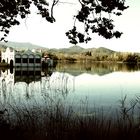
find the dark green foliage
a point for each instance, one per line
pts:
(91, 15)
(10, 10)
(131, 58)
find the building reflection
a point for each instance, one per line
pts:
(24, 74)
(20, 85)
(20, 81)
(28, 75)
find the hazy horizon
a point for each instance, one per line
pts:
(65, 47)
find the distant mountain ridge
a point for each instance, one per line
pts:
(22, 46)
(71, 50)
(102, 50)
(78, 49)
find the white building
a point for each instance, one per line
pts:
(8, 56)
(18, 59)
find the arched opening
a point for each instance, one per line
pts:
(17, 58)
(25, 58)
(11, 63)
(31, 59)
(3, 61)
(38, 59)
(11, 70)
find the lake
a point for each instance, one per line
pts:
(74, 84)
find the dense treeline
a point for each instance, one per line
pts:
(100, 54)
(89, 56)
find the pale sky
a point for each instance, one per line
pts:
(37, 31)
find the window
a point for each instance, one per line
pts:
(37, 72)
(17, 73)
(24, 72)
(25, 60)
(31, 60)
(31, 72)
(38, 60)
(18, 60)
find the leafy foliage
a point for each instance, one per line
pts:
(11, 10)
(92, 15)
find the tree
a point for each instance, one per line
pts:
(92, 15)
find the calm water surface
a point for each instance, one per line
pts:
(98, 84)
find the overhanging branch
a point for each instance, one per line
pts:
(52, 7)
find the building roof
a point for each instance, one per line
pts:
(10, 48)
(28, 52)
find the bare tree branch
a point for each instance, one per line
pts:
(52, 7)
(64, 2)
(80, 2)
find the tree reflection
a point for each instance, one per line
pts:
(49, 84)
(99, 68)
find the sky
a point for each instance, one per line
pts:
(37, 31)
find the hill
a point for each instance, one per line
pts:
(79, 50)
(21, 46)
(104, 50)
(101, 50)
(69, 51)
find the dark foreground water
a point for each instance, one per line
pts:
(78, 85)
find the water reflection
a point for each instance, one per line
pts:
(15, 84)
(29, 95)
(70, 83)
(101, 69)
(27, 74)
(21, 84)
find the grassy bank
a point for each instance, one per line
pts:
(58, 122)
